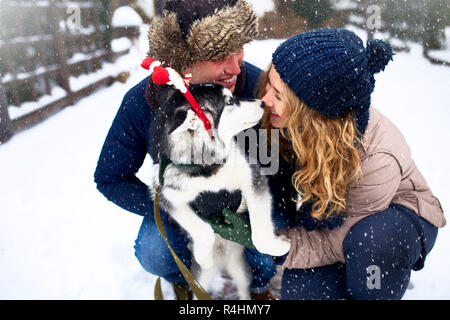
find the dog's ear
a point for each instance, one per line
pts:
(162, 94)
(184, 119)
(178, 118)
(158, 95)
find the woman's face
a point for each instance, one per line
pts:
(272, 99)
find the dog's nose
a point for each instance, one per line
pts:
(263, 105)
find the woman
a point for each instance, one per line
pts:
(351, 162)
(366, 216)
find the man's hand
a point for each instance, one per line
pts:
(232, 226)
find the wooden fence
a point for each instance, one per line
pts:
(45, 43)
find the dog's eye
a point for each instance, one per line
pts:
(230, 102)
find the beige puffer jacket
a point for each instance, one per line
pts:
(389, 175)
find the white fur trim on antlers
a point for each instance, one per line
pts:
(169, 76)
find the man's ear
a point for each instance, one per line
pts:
(184, 119)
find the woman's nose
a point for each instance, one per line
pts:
(266, 100)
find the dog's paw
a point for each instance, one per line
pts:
(204, 259)
(275, 246)
(203, 252)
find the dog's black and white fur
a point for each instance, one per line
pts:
(213, 166)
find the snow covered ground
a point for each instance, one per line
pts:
(61, 239)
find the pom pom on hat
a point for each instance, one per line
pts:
(379, 54)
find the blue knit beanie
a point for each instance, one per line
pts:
(331, 71)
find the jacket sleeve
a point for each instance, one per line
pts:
(371, 194)
(123, 153)
(283, 194)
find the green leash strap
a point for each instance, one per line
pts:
(158, 291)
(196, 288)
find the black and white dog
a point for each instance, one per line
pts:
(200, 164)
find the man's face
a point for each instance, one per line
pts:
(222, 72)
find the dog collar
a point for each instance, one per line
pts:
(170, 77)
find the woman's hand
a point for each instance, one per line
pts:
(232, 226)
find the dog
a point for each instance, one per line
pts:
(199, 164)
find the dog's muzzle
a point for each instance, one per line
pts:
(263, 105)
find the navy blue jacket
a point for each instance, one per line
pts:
(126, 146)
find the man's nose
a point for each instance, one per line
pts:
(233, 65)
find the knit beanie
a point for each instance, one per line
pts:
(192, 31)
(331, 71)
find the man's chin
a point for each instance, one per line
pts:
(231, 88)
(229, 85)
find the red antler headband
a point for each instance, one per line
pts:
(169, 76)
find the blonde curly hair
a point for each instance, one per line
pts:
(324, 150)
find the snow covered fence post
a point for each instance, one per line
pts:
(6, 130)
(60, 52)
(105, 17)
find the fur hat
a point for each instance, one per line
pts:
(332, 72)
(192, 31)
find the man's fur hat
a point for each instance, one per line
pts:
(192, 31)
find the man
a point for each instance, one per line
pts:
(205, 39)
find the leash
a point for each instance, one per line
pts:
(196, 288)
